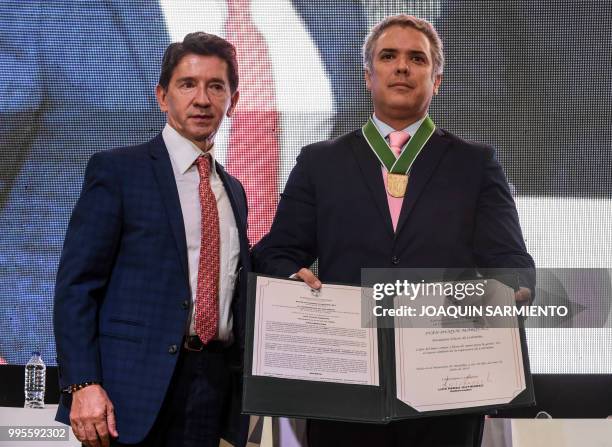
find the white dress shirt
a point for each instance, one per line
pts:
(385, 129)
(183, 154)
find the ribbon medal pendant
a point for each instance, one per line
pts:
(396, 184)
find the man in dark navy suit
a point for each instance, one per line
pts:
(149, 298)
(344, 208)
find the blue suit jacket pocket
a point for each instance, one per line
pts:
(122, 337)
(128, 321)
(123, 329)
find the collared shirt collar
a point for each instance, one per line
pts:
(385, 129)
(183, 151)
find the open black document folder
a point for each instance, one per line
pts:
(273, 396)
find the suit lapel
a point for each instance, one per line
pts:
(162, 168)
(239, 212)
(372, 175)
(144, 29)
(421, 172)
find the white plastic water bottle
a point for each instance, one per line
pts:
(34, 388)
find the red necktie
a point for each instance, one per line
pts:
(207, 292)
(397, 139)
(253, 149)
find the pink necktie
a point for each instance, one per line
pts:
(207, 292)
(254, 148)
(397, 139)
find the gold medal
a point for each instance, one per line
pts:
(396, 184)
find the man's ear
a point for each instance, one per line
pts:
(437, 82)
(368, 79)
(160, 94)
(233, 103)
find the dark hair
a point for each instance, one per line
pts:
(206, 45)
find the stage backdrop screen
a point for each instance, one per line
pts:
(531, 78)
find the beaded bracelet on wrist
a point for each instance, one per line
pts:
(79, 386)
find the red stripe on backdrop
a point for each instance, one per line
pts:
(253, 148)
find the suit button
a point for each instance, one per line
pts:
(185, 304)
(172, 349)
(395, 260)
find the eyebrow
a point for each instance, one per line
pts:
(186, 78)
(191, 78)
(221, 80)
(395, 50)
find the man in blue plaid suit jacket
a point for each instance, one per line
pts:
(129, 366)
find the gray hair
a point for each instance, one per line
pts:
(406, 21)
